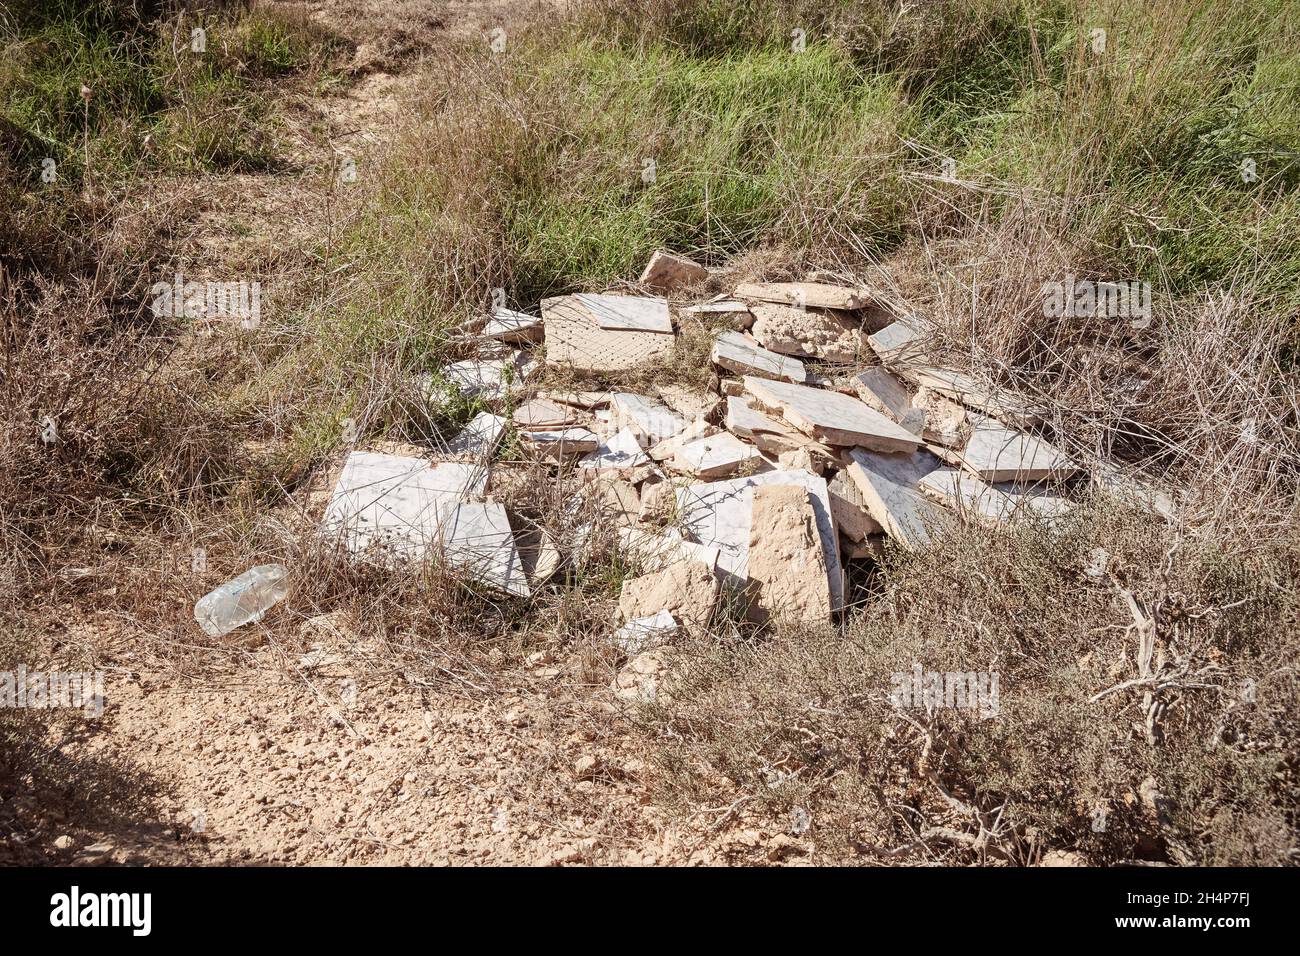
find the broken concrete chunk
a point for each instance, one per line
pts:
(850, 509)
(477, 539)
(787, 562)
(575, 340)
(645, 633)
(396, 504)
(946, 421)
(962, 388)
(719, 514)
(890, 489)
(667, 272)
(619, 499)
(831, 417)
(812, 295)
(997, 453)
(714, 456)
(808, 333)
(737, 353)
(669, 447)
(628, 313)
(688, 590)
(650, 420)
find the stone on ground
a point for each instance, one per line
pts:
(812, 295)
(808, 333)
(628, 313)
(997, 453)
(668, 272)
(736, 352)
(849, 509)
(787, 563)
(890, 486)
(831, 417)
(646, 633)
(477, 539)
(576, 341)
(688, 590)
(714, 456)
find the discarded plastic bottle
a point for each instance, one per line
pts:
(243, 600)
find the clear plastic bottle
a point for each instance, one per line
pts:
(243, 600)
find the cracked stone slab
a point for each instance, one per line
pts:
(396, 504)
(719, 514)
(714, 456)
(668, 272)
(477, 539)
(490, 378)
(997, 453)
(736, 352)
(890, 486)
(831, 417)
(621, 452)
(815, 295)
(649, 419)
(884, 391)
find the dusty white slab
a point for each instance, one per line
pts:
(998, 453)
(718, 514)
(720, 307)
(649, 419)
(396, 503)
(561, 442)
(972, 497)
(623, 451)
(479, 439)
(628, 313)
(714, 456)
(477, 539)
(850, 509)
(745, 420)
(507, 325)
(890, 486)
(666, 449)
(831, 417)
(656, 551)
(575, 340)
(814, 295)
(541, 415)
(885, 392)
(737, 353)
(645, 633)
(489, 378)
(898, 343)
(964, 389)
(667, 272)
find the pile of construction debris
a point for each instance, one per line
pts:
(828, 430)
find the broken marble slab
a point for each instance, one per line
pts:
(628, 313)
(576, 341)
(655, 550)
(808, 333)
(646, 633)
(584, 400)
(899, 343)
(622, 452)
(737, 312)
(719, 514)
(738, 353)
(396, 504)
(478, 440)
(787, 570)
(849, 509)
(770, 435)
(538, 555)
(714, 456)
(831, 417)
(666, 449)
(490, 379)
(556, 445)
(668, 272)
(507, 325)
(813, 295)
(477, 539)
(542, 415)
(884, 391)
(890, 486)
(650, 420)
(997, 453)
(964, 389)
(970, 496)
